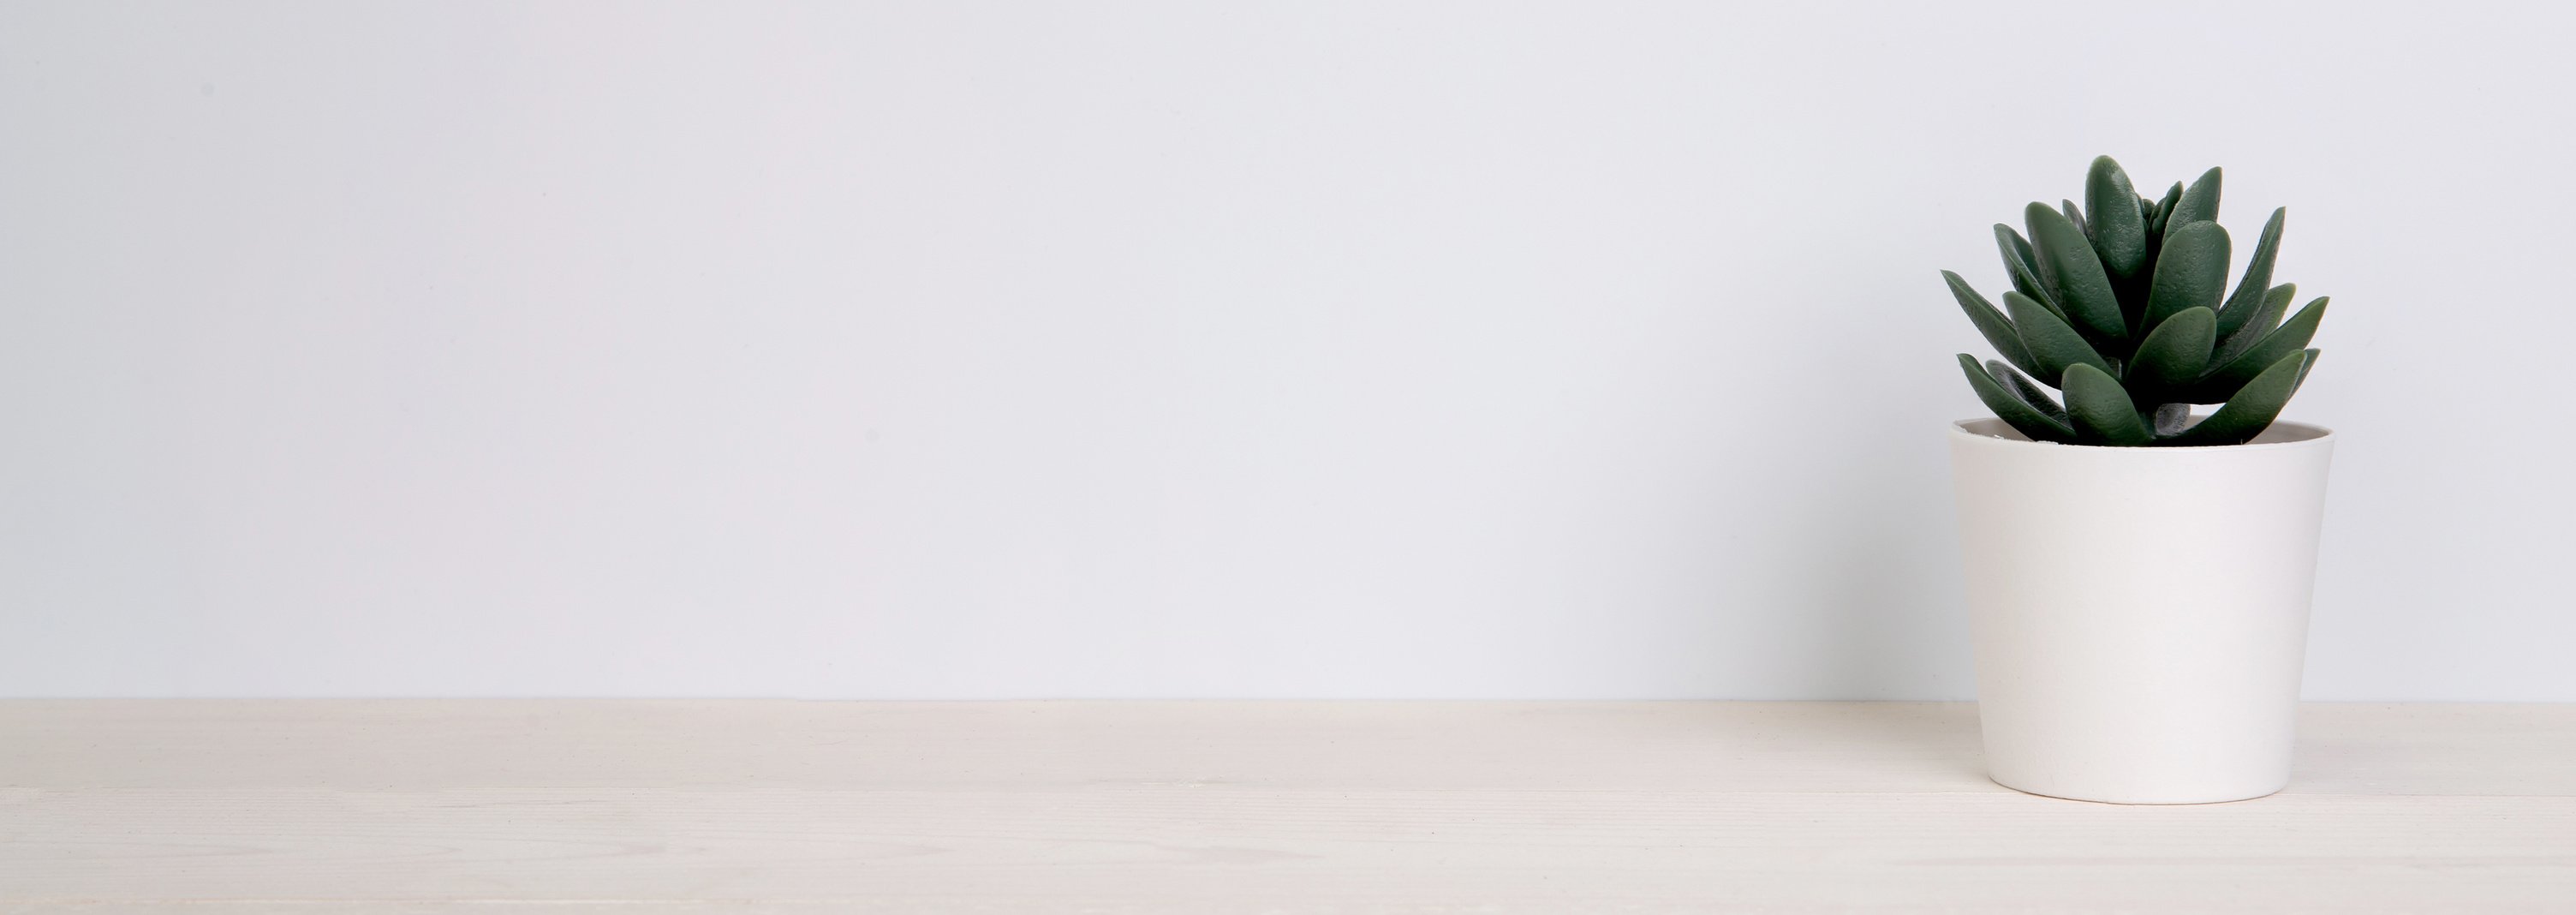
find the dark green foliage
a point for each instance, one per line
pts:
(1998, 329)
(2267, 315)
(2292, 336)
(2102, 409)
(2199, 203)
(2026, 390)
(2009, 407)
(2172, 357)
(2053, 344)
(2258, 276)
(2017, 264)
(2255, 405)
(2118, 304)
(2119, 226)
(2164, 209)
(2191, 271)
(2072, 273)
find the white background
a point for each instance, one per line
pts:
(1192, 349)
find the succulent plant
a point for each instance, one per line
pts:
(2119, 306)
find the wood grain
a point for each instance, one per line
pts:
(787, 807)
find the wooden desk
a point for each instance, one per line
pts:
(219, 807)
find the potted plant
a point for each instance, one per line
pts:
(2139, 575)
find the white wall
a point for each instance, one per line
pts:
(1191, 349)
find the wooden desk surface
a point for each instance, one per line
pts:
(574, 806)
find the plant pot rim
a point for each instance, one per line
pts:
(2283, 435)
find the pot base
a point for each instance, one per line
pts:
(2134, 800)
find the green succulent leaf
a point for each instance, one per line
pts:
(2222, 383)
(2173, 355)
(1991, 322)
(2163, 212)
(2027, 390)
(2250, 290)
(2191, 272)
(2101, 409)
(2119, 226)
(2070, 269)
(2019, 265)
(2199, 203)
(2267, 315)
(2053, 345)
(2076, 216)
(2028, 420)
(2255, 405)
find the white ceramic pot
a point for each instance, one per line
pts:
(2141, 614)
